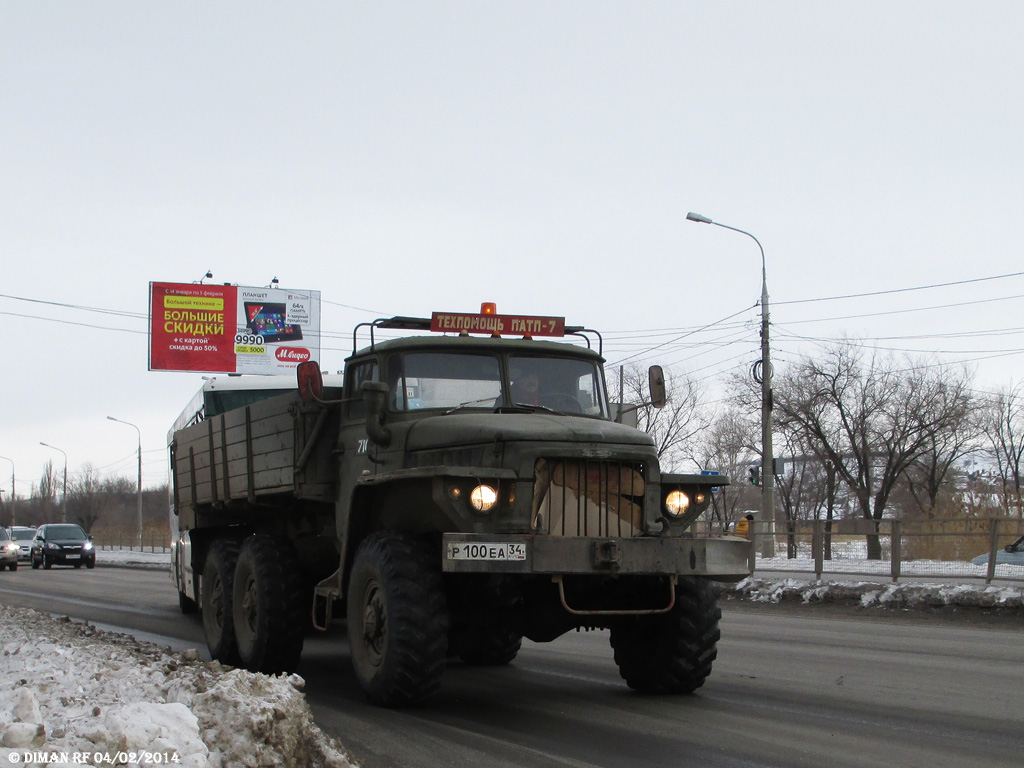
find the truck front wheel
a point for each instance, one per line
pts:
(218, 582)
(397, 619)
(268, 607)
(671, 652)
(484, 645)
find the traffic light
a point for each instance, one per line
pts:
(755, 474)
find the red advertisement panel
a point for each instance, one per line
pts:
(192, 327)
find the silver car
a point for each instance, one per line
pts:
(1012, 554)
(23, 535)
(8, 551)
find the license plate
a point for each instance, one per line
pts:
(505, 550)
(72, 557)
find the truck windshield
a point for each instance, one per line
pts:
(454, 380)
(561, 384)
(443, 380)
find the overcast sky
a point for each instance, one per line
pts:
(409, 157)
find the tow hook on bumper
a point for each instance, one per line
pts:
(607, 554)
(672, 581)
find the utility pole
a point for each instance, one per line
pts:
(767, 404)
(138, 496)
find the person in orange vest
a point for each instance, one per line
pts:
(742, 527)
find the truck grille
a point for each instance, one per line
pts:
(581, 497)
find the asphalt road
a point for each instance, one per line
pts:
(790, 688)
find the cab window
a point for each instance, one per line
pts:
(443, 380)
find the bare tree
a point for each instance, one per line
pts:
(43, 502)
(85, 502)
(1003, 425)
(725, 447)
(952, 429)
(674, 427)
(868, 416)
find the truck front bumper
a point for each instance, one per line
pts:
(720, 559)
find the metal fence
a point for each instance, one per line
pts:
(129, 542)
(961, 549)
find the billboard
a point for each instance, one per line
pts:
(231, 328)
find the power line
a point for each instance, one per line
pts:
(906, 311)
(900, 290)
(683, 336)
(72, 322)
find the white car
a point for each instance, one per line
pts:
(23, 535)
(8, 551)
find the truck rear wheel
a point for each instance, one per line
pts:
(218, 583)
(268, 606)
(671, 652)
(397, 619)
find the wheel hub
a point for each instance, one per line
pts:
(374, 626)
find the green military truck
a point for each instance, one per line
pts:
(456, 492)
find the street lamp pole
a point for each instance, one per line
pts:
(767, 457)
(14, 494)
(64, 496)
(138, 499)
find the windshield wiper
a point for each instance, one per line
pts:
(469, 403)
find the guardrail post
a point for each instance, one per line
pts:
(818, 548)
(993, 551)
(896, 549)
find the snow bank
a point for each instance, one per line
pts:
(72, 694)
(872, 594)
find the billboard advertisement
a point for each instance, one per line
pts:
(231, 328)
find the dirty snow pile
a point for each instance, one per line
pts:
(71, 694)
(873, 594)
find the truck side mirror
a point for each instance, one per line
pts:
(375, 395)
(656, 379)
(310, 380)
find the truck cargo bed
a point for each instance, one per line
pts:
(254, 452)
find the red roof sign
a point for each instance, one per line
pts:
(501, 325)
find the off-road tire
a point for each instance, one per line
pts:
(268, 606)
(397, 619)
(671, 652)
(218, 585)
(486, 646)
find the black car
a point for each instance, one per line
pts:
(64, 544)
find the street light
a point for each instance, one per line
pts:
(139, 493)
(767, 458)
(14, 495)
(64, 497)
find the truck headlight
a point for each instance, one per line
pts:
(676, 503)
(483, 498)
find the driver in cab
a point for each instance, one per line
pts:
(526, 390)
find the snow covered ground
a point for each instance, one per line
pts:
(76, 695)
(72, 694)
